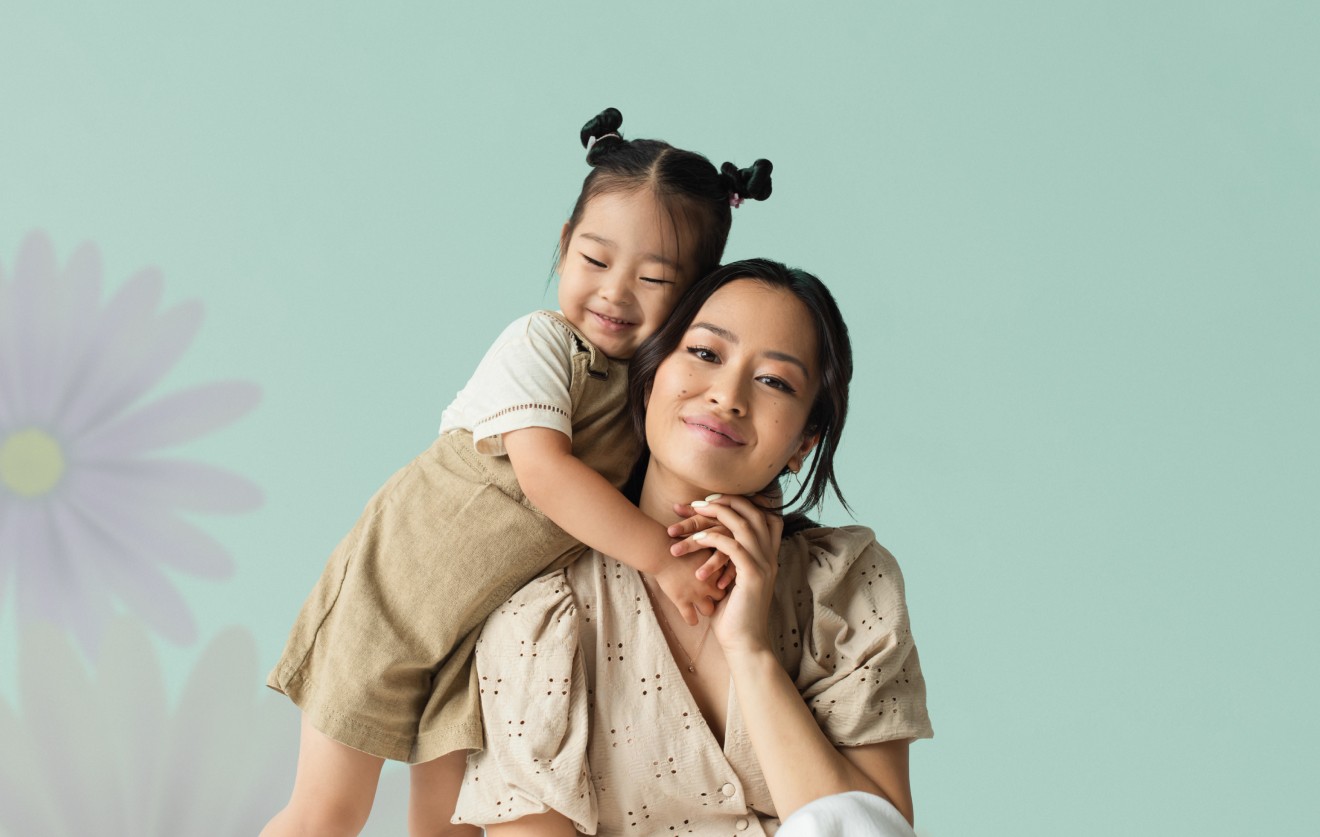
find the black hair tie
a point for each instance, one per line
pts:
(752, 182)
(603, 125)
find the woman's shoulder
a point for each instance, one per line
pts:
(834, 548)
(832, 573)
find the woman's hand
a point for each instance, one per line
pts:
(749, 536)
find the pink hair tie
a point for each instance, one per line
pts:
(735, 200)
(593, 140)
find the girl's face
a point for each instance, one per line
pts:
(728, 409)
(620, 272)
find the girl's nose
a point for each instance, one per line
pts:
(614, 287)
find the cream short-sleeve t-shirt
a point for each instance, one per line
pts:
(523, 381)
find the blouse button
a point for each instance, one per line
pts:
(728, 789)
(741, 824)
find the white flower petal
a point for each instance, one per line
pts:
(130, 687)
(32, 299)
(154, 533)
(170, 483)
(140, 366)
(9, 395)
(120, 341)
(81, 304)
(175, 418)
(24, 807)
(77, 541)
(217, 699)
(41, 569)
(54, 689)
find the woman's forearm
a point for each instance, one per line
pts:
(799, 763)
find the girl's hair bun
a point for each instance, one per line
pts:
(752, 182)
(600, 126)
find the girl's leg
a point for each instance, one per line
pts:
(332, 791)
(433, 795)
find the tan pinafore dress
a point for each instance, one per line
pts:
(380, 658)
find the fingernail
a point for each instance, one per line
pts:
(714, 497)
(699, 504)
(700, 536)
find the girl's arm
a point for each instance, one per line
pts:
(799, 763)
(585, 505)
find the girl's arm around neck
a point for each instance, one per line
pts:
(585, 505)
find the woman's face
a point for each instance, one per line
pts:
(728, 409)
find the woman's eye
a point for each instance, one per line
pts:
(703, 353)
(592, 261)
(777, 383)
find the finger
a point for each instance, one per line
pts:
(694, 543)
(745, 560)
(746, 524)
(705, 606)
(727, 577)
(683, 510)
(688, 612)
(712, 565)
(745, 506)
(696, 523)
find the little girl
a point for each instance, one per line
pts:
(526, 469)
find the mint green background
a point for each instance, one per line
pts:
(1077, 244)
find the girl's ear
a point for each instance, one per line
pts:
(563, 242)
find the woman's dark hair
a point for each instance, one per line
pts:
(833, 354)
(695, 194)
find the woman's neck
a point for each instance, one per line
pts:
(661, 490)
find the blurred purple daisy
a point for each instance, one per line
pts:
(105, 751)
(88, 513)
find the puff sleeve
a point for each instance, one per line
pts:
(843, 629)
(535, 713)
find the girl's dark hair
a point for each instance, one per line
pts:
(695, 194)
(833, 354)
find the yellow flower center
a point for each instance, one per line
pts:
(31, 462)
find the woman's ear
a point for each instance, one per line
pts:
(808, 442)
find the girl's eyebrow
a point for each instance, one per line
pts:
(733, 338)
(605, 242)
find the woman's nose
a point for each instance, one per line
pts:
(727, 392)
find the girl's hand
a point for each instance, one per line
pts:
(692, 524)
(691, 595)
(749, 535)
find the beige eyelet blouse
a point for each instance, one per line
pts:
(587, 713)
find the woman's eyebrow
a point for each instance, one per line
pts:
(773, 355)
(653, 257)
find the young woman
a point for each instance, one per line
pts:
(606, 713)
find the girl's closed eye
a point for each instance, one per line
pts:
(652, 280)
(593, 262)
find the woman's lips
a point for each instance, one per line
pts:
(714, 431)
(614, 324)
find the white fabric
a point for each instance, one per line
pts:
(852, 814)
(523, 381)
